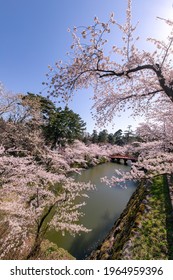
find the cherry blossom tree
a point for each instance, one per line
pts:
(29, 194)
(82, 155)
(33, 183)
(158, 125)
(7, 101)
(120, 73)
(155, 149)
(122, 76)
(20, 123)
(19, 107)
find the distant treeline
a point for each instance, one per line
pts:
(118, 138)
(60, 126)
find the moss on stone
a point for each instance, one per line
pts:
(50, 251)
(143, 228)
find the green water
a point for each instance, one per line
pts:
(103, 207)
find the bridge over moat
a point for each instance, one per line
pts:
(125, 158)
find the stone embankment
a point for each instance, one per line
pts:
(145, 228)
(118, 241)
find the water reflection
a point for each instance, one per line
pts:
(103, 208)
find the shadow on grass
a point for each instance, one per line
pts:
(169, 216)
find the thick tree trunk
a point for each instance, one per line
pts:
(39, 235)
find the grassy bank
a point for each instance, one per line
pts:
(144, 231)
(155, 230)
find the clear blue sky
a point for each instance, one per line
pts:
(33, 35)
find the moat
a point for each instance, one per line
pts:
(104, 206)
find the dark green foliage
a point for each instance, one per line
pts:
(59, 125)
(47, 107)
(111, 138)
(94, 137)
(64, 126)
(118, 136)
(103, 136)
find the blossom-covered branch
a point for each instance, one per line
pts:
(119, 72)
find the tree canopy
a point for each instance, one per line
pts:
(33, 179)
(60, 126)
(119, 73)
(64, 126)
(122, 76)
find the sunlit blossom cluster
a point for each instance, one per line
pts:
(119, 72)
(33, 178)
(34, 182)
(27, 189)
(154, 151)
